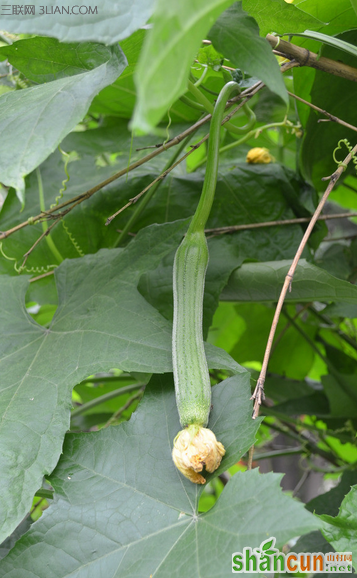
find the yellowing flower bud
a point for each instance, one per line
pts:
(196, 447)
(259, 155)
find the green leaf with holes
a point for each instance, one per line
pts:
(122, 508)
(102, 322)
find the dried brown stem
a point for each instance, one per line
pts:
(121, 410)
(307, 58)
(44, 234)
(324, 112)
(250, 457)
(258, 394)
(242, 98)
(287, 326)
(133, 200)
(234, 228)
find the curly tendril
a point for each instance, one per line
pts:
(21, 268)
(70, 236)
(349, 148)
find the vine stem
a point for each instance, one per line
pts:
(106, 397)
(234, 228)
(330, 116)
(45, 214)
(55, 252)
(168, 167)
(307, 58)
(258, 394)
(254, 133)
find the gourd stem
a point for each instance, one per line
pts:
(203, 100)
(209, 186)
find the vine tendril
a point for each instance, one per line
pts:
(349, 148)
(60, 196)
(73, 240)
(31, 270)
(64, 182)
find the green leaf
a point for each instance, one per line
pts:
(102, 322)
(263, 282)
(330, 502)
(244, 194)
(293, 356)
(339, 17)
(167, 55)
(36, 119)
(342, 393)
(278, 16)
(354, 5)
(329, 40)
(322, 138)
(341, 531)
(236, 36)
(121, 507)
(47, 59)
(104, 21)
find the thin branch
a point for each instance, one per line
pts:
(44, 234)
(343, 238)
(133, 200)
(41, 276)
(121, 410)
(106, 397)
(307, 58)
(312, 448)
(250, 457)
(280, 453)
(286, 327)
(234, 228)
(331, 325)
(332, 370)
(106, 379)
(242, 98)
(164, 174)
(330, 116)
(258, 394)
(301, 482)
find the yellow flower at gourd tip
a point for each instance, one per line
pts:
(259, 155)
(196, 447)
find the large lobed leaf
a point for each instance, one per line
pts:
(341, 531)
(35, 120)
(101, 322)
(123, 510)
(245, 194)
(107, 22)
(263, 282)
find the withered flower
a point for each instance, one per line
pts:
(196, 447)
(259, 155)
